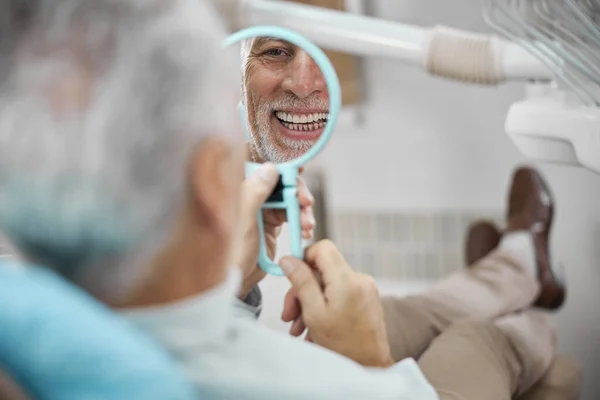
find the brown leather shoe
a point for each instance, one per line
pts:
(482, 237)
(531, 208)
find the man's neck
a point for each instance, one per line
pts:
(175, 275)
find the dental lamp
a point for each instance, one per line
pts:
(551, 46)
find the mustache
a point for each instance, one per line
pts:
(291, 101)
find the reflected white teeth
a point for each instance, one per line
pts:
(302, 118)
(304, 127)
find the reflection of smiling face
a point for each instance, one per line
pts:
(286, 99)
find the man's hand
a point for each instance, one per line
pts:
(340, 307)
(274, 219)
(255, 190)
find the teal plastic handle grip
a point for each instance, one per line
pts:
(289, 169)
(290, 203)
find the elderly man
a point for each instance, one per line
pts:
(121, 167)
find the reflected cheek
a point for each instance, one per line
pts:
(262, 83)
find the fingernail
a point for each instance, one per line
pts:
(311, 197)
(286, 266)
(267, 172)
(311, 219)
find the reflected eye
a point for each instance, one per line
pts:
(275, 52)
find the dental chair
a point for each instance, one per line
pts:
(57, 343)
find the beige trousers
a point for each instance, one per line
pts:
(472, 333)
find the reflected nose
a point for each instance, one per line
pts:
(304, 76)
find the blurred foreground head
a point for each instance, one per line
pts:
(118, 142)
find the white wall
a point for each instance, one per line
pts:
(444, 147)
(444, 140)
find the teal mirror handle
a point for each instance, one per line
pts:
(288, 202)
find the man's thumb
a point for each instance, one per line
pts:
(305, 284)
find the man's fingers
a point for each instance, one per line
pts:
(291, 306)
(307, 234)
(258, 186)
(327, 260)
(305, 197)
(305, 284)
(274, 217)
(298, 327)
(324, 252)
(307, 216)
(307, 219)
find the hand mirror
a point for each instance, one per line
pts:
(291, 98)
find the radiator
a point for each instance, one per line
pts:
(423, 246)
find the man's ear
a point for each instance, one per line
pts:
(211, 171)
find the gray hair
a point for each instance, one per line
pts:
(245, 49)
(93, 192)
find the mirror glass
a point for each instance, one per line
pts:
(285, 99)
